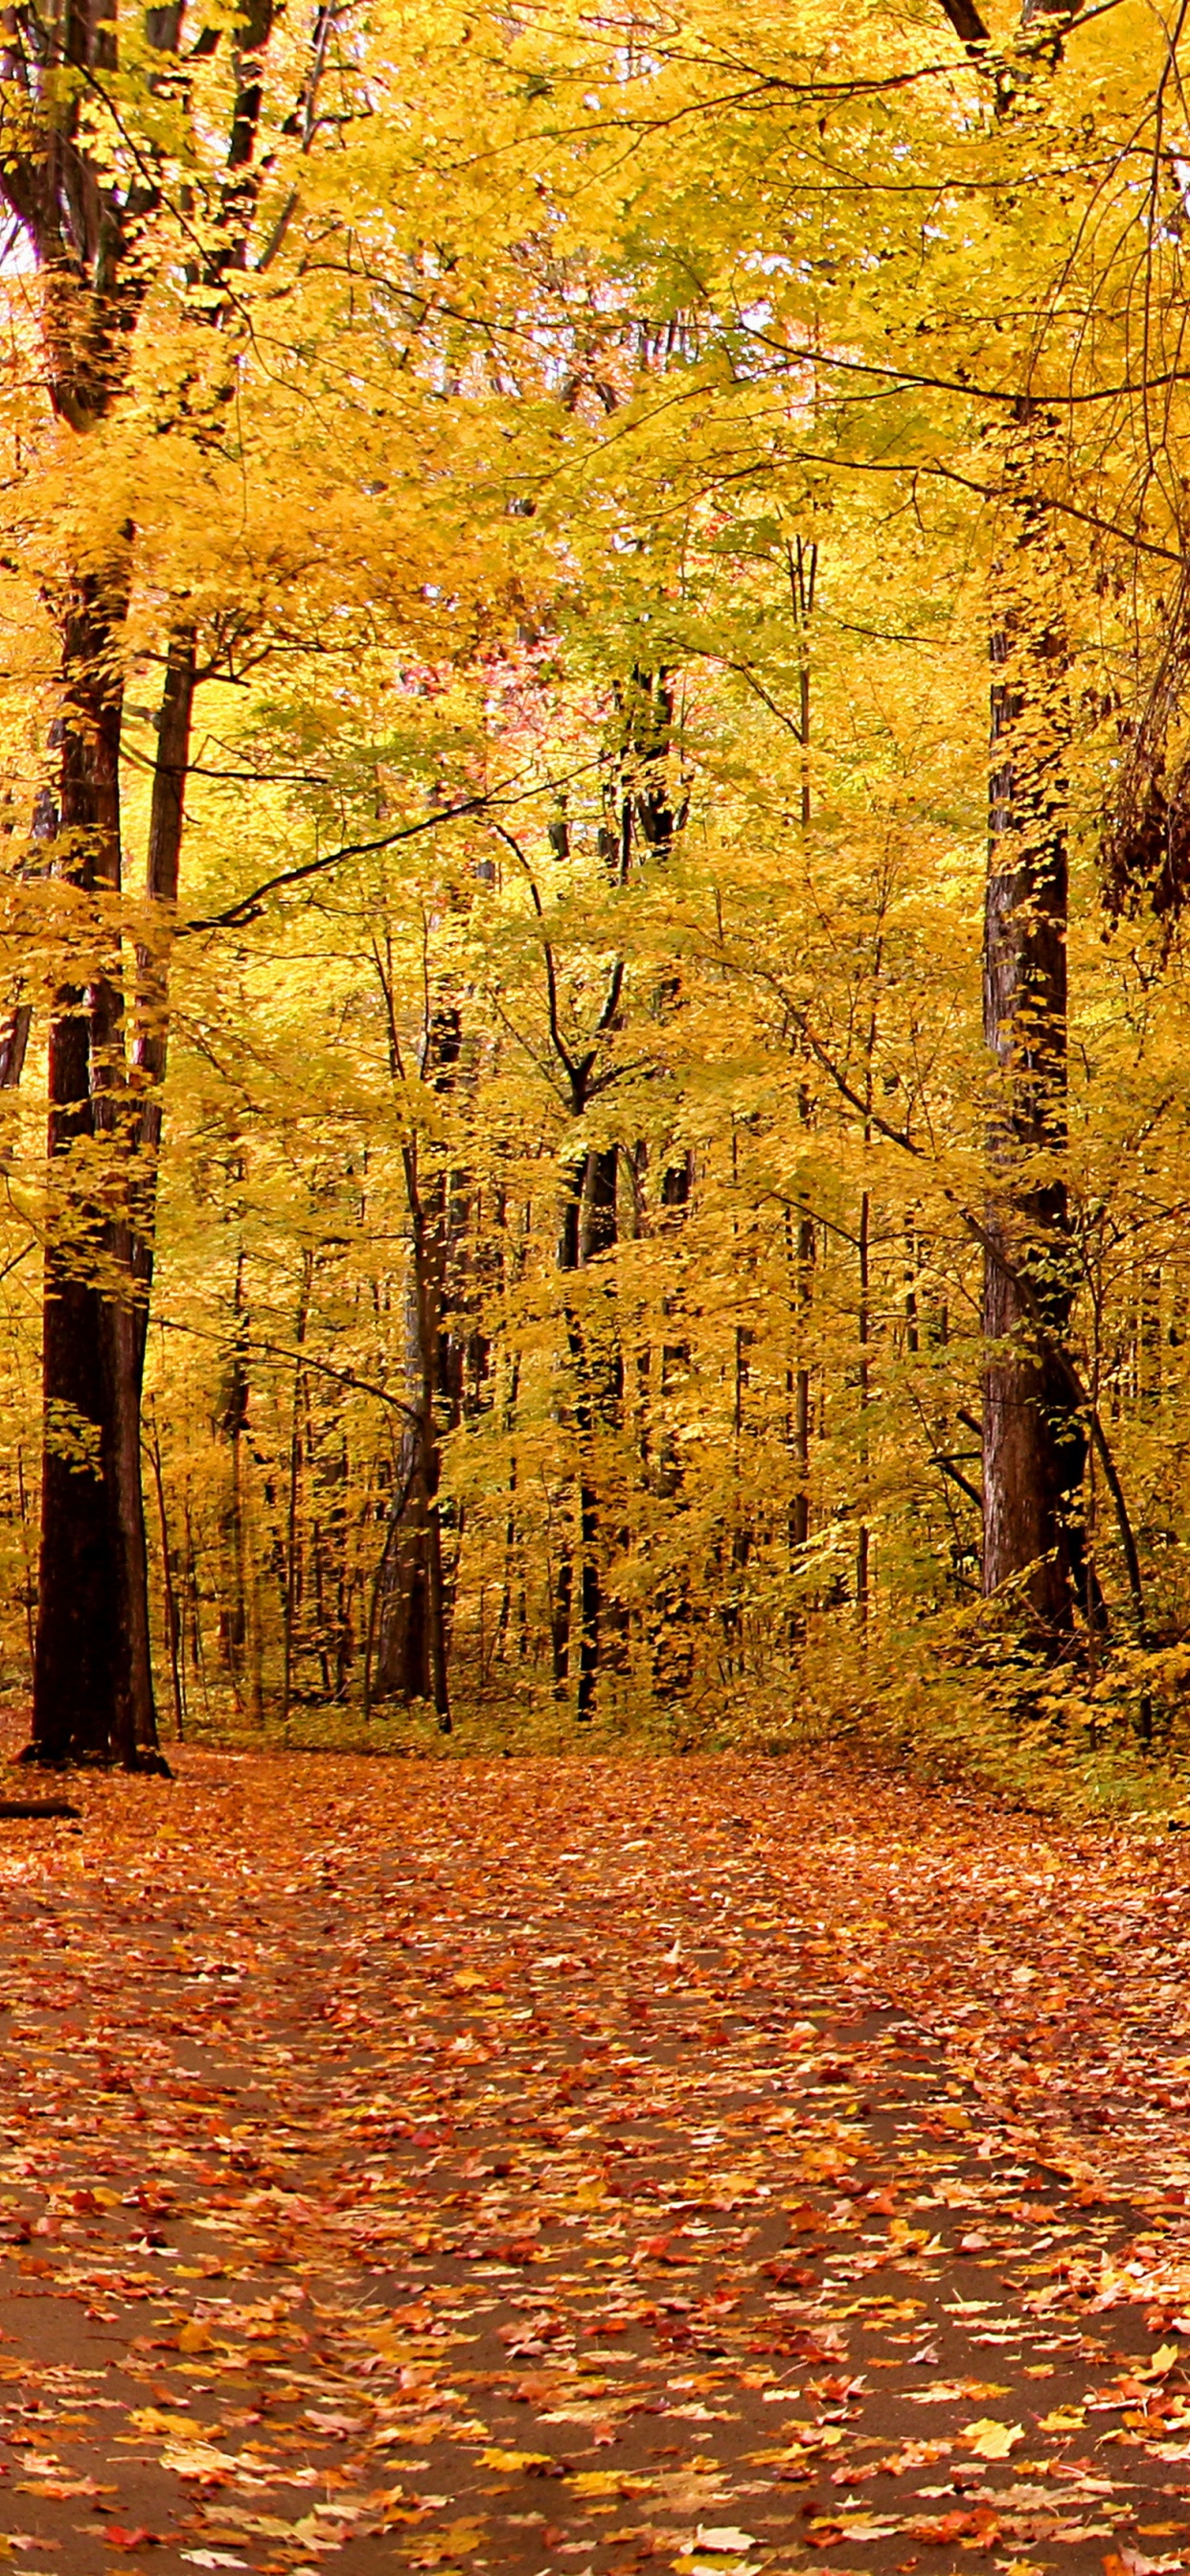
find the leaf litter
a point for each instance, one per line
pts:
(709, 2166)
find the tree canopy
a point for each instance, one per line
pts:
(617, 1141)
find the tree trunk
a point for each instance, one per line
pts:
(87, 217)
(80, 214)
(673, 1614)
(1034, 1445)
(802, 560)
(15, 1024)
(93, 1687)
(291, 1589)
(151, 1036)
(413, 1657)
(231, 1425)
(588, 1225)
(171, 1612)
(863, 1547)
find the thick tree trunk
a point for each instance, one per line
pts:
(93, 1697)
(76, 1651)
(1034, 1445)
(412, 1658)
(93, 1689)
(87, 219)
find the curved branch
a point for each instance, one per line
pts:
(277, 1350)
(551, 980)
(235, 916)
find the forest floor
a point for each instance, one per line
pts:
(718, 2166)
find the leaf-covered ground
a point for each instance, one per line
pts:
(707, 2166)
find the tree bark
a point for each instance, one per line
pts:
(413, 1658)
(231, 1425)
(1034, 1445)
(93, 1690)
(151, 1036)
(93, 1686)
(589, 1229)
(291, 1587)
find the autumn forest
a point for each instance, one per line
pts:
(596, 817)
(594, 1195)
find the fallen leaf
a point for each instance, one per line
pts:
(991, 2440)
(514, 2460)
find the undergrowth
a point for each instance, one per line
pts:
(949, 1698)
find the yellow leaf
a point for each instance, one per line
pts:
(510, 2460)
(601, 2482)
(150, 2419)
(991, 2440)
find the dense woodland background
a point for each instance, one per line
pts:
(638, 1137)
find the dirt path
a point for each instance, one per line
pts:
(716, 2166)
